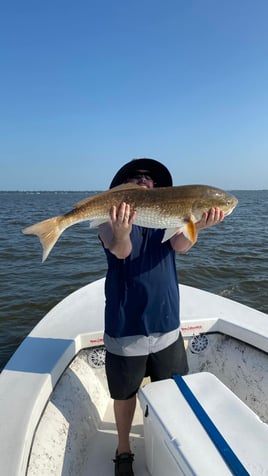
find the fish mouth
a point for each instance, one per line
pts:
(229, 211)
(234, 203)
(231, 203)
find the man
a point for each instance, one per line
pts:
(142, 324)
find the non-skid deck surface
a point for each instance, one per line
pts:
(102, 449)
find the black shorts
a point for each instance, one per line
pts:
(125, 374)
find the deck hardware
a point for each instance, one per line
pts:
(96, 357)
(198, 343)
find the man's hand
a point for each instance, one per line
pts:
(181, 244)
(115, 234)
(122, 220)
(214, 216)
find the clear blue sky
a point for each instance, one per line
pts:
(86, 85)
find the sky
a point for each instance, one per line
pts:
(88, 85)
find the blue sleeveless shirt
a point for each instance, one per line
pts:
(142, 295)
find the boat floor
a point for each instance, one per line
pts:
(102, 449)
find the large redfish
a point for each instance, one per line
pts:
(172, 208)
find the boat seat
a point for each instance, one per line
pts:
(176, 442)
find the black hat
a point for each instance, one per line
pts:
(160, 174)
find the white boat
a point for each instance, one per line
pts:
(56, 416)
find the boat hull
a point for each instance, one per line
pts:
(51, 395)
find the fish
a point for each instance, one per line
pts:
(171, 208)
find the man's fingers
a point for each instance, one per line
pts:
(122, 214)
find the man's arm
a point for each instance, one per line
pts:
(115, 234)
(181, 244)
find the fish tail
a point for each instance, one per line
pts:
(48, 232)
(189, 230)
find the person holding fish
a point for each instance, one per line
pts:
(142, 320)
(143, 222)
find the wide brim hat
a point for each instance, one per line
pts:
(159, 172)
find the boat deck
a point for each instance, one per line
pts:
(102, 449)
(77, 433)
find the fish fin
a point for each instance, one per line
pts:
(48, 232)
(124, 186)
(169, 232)
(189, 231)
(97, 222)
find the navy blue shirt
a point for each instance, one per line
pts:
(142, 295)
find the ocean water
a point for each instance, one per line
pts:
(229, 259)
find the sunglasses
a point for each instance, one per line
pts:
(139, 176)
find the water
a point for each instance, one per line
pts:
(229, 259)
